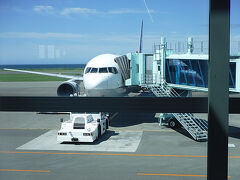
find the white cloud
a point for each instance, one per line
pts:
(36, 35)
(84, 11)
(43, 9)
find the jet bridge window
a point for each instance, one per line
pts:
(79, 123)
(94, 70)
(113, 70)
(103, 70)
(88, 70)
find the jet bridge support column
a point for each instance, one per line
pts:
(157, 63)
(190, 45)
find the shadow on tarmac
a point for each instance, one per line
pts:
(130, 119)
(234, 132)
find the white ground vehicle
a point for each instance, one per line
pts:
(83, 127)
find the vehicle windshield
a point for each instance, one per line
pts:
(79, 123)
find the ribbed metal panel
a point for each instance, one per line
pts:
(124, 65)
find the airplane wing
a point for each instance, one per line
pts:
(80, 78)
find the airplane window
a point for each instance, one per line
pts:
(115, 71)
(94, 70)
(88, 70)
(103, 70)
(110, 69)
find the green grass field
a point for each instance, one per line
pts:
(8, 76)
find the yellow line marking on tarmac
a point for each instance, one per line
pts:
(177, 175)
(102, 154)
(234, 157)
(107, 154)
(20, 170)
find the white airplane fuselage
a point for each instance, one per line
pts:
(102, 77)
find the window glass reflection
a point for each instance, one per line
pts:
(94, 70)
(103, 70)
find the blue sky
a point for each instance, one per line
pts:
(74, 31)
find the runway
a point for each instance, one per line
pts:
(135, 147)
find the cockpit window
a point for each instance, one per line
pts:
(94, 70)
(115, 70)
(103, 70)
(112, 70)
(88, 70)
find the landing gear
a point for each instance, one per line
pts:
(173, 124)
(107, 123)
(99, 131)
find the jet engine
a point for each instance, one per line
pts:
(68, 88)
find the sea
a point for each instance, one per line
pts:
(42, 66)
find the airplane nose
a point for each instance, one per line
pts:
(95, 82)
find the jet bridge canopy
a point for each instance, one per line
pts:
(124, 65)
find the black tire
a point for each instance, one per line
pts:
(99, 131)
(173, 123)
(107, 123)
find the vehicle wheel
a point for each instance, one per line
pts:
(107, 124)
(99, 131)
(173, 123)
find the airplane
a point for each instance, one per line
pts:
(102, 76)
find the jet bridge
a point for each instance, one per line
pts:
(163, 71)
(190, 71)
(183, 71)
(135, 67)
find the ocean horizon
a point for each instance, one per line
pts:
(41, 66)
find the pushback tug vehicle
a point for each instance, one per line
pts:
(83, 127)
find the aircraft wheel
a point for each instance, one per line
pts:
(99, 131)
(173, 123)
(107, 123)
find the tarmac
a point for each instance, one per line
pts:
(135, 146)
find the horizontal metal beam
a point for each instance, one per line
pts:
(103, 104)
(234, 57)
(111, 104)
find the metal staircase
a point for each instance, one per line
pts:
(196, 127)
